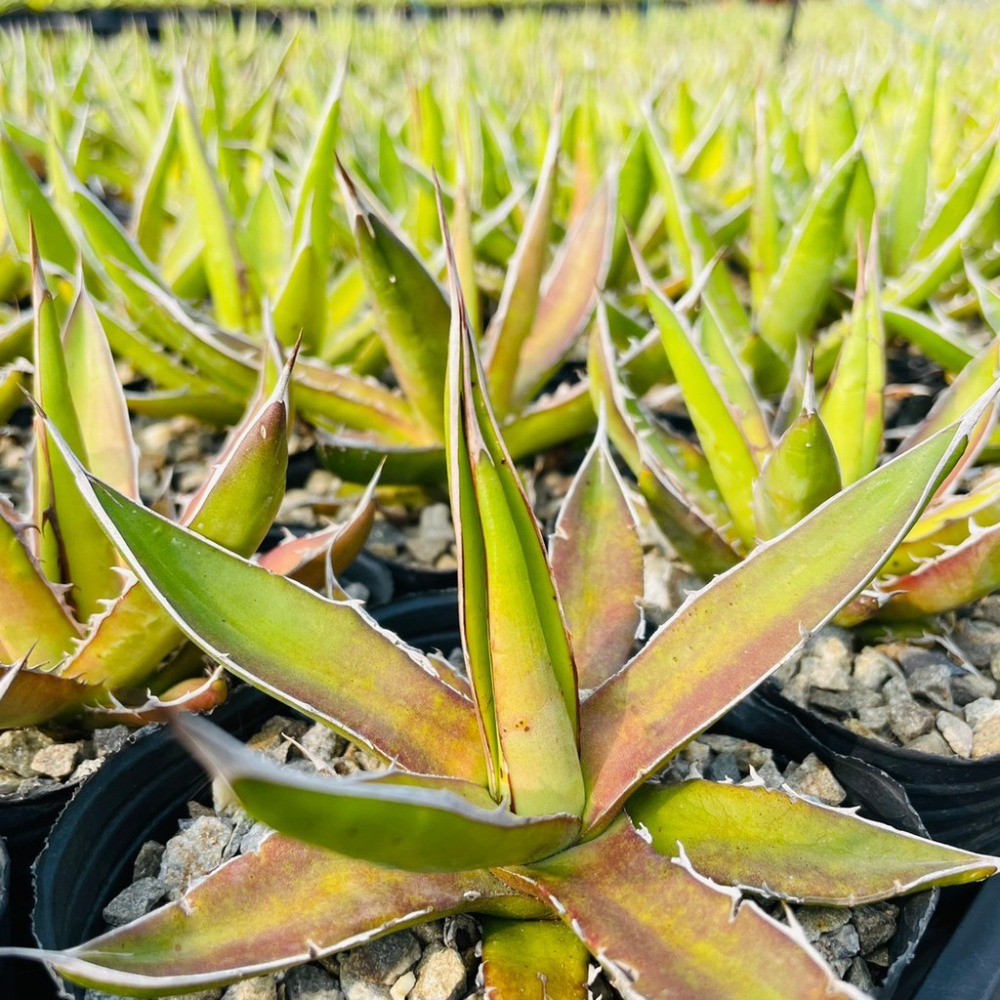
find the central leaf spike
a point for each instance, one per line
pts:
(513, 629)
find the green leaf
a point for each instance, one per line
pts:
(226, 277)
(853, 401)
(801, 284)
(944, 344)
(514, 634)
(519, 301)
(689, 673)
(415, 824)
(658, 929)
(411, 307)
(764, 219)
(597, 565)
(522, 957)
(782, 845)
(226, 929)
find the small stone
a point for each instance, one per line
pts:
(362, 989)
(932, 742)
(834, 702)
(979, 640)
(875, 924)
(357, 591)
(434, 535)
(441, 975)
(875, 719)
(110, 740)
(270, 739)
(819, 920)
(873, 668)
(85, 769)
(894, 691)
(839, 948)
(380, 961)
(254, 837)
(402, 986)
(933, 682)
(969, 686)
(957, 732)
(768, 773)
(878, 956)
(981, 711)
(148, 860)
(321, 482)
(826, 659)
(193, 852)
(987, 608)
(429, 932)
(863, 697)
(911, 658)
(58, 760)
(322, 743)
(813, 778)
(310, 982)
(18, 748)
(986, 738)
(135, 901)
(908, 720)
(258, 988)
(858, 975)
(797, 691)
(723, 768)
(385, 540)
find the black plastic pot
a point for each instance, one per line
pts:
(958, 799)
(139, 796)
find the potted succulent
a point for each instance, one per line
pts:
(519, 792)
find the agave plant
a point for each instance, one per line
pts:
(519, 792)
(751, 476)
(77, 628)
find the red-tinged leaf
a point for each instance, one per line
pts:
(420, 826)
(36, 625)
(513, 630)
(99, 401)
(691, 671)
(525, 959)
(519, 301)
(958, 576)
(777, 843)
(568, 293)
(196, 694)
(282, 905)
(659, 930)
(597, 565)
(853, 401)
(32, 698)
(336, 666)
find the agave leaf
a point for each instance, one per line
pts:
(769, 602)
(852, 407)
(33, 698)
(513, 631)
(27, 206)
(223, 267)
(908, 202)
(986, 296)
(800, 474)
(211, 407)
(597, 565)
(98, 399)
(465, 245)
(413, 312)
(635, 180)
(721, 436)
(149, 215)
(764, 218)
(164, 319)
(783, 845)
(523, 957)
(36, 627)
(956, 203)
(659, 930)
(568, 294)
(690, 238)
(228, 928)
(334, 668)
(420, 826)
(72, 548)
(516, 312)
(801, 283)
(961, 574)
(943, 344)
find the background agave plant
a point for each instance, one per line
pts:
(78, 628)
(518, 792)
